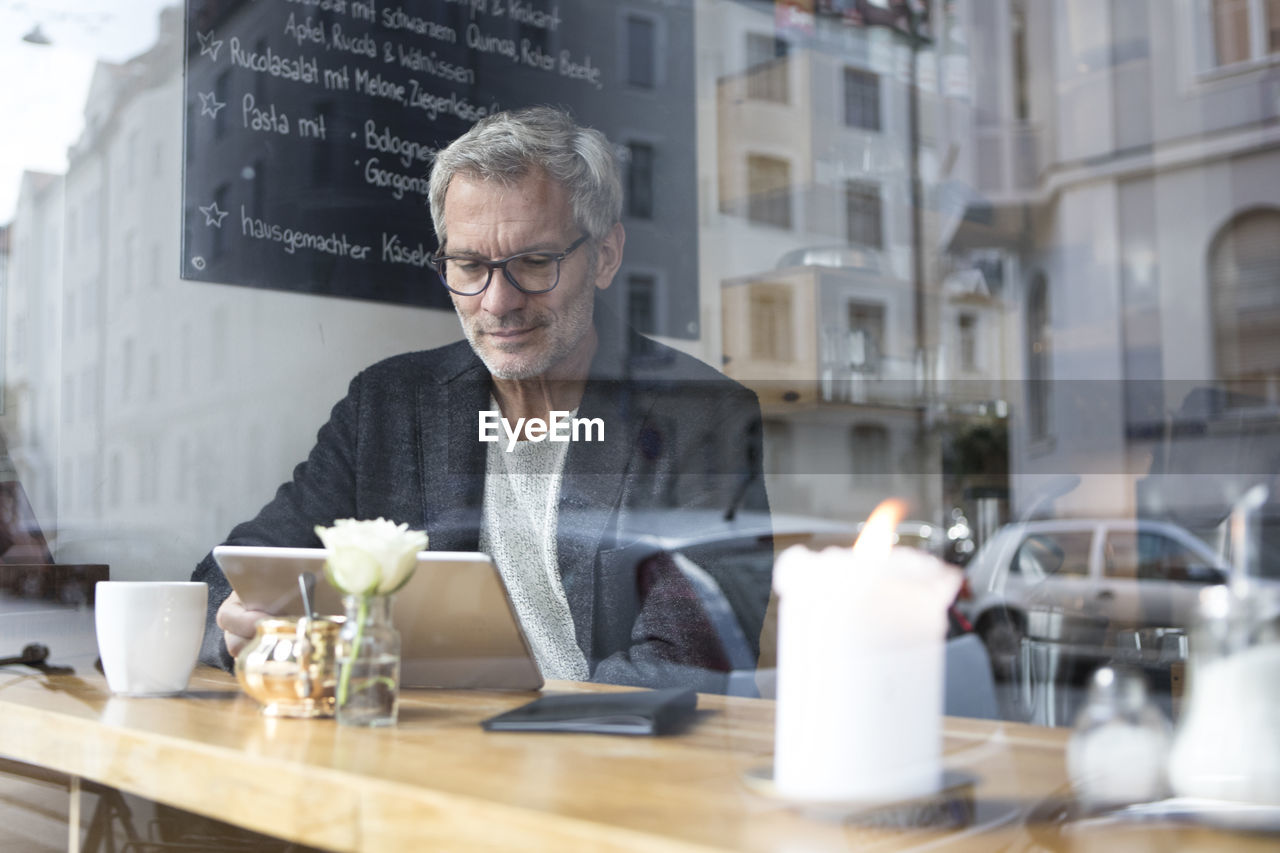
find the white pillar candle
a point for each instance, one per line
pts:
(860, 673)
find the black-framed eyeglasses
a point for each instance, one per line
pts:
(528, 272)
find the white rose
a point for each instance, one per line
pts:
(370, 557)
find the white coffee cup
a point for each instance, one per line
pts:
(149, 634)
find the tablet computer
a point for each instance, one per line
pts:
(457, 626)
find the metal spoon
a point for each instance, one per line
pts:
(307, 585)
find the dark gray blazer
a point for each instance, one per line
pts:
(403, 444)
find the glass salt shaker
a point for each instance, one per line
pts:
(1117, 754)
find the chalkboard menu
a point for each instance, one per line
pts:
(311, 126)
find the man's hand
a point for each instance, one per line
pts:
(238, 623)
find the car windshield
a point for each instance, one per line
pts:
(1063, 554)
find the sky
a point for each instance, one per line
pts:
(42, 99)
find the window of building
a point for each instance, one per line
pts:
(1229, 32)
(1021, 75)
(866, 335)
(864, 213)
(861, 99)
(967, 329)
(1130, 31)
(770, 310)
(768, 75)
(642, 297)
(869, 449)
(641, 45)
(769, 190)
(1244, 266)
(640, 180)
(1038, 321)
(991, 264)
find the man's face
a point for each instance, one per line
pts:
(518, 335)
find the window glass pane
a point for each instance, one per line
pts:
(1058, 554)
(1157, 556)
(942, 264)
(1122, 557)
(968, 339)
(1231, 31)
(1164, 558)
(771, 319)
(866, 335)
(861, 99)
(641, 37)
(640, 180)
(864, 214)
(641, 303)
(1244, 266)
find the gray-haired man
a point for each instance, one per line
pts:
(526, 207)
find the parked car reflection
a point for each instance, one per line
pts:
(729, 564)
(1084, 582)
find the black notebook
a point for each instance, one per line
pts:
(636, 712)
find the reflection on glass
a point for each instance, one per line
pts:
(1086, 287)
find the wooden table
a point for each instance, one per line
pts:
(438, 781)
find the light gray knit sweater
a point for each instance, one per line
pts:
(518, 530)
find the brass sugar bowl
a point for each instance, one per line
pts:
(290, 666)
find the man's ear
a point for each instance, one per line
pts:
(609, 256)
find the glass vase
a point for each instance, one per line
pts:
(368, 657)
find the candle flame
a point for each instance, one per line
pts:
(876, 539)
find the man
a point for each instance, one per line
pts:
(526, 207)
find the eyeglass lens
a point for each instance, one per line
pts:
(533, 273)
